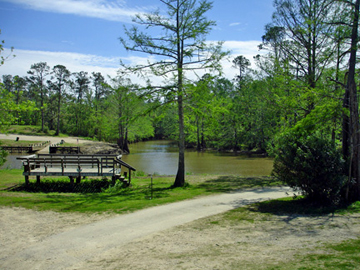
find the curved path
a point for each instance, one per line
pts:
(71, 249)
(41, 138)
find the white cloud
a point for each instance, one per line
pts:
(242, 47)
(234, 24)
(248, 49)
(74, 62)
(113, 10)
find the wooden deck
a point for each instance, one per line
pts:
(75, 166)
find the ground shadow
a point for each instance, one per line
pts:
(233, 183)
(295, 206)
(59, 186)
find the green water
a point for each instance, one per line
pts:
(161, 157)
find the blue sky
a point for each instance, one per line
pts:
(83, 34)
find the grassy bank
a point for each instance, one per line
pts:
(18, 143)
(95, 197)
(29, 130)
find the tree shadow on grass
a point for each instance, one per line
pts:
(233, 183)
(295, 206)
(62, 186)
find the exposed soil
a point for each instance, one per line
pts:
(86, 146)
(100, 148)
(245, 242)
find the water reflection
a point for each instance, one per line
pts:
(12, 163)
(161, 157)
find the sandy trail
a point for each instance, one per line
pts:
(72, 248)
(41, 138)
(53, 140)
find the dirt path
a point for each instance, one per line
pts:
(73, 247)
(41, 138)
(86, 146)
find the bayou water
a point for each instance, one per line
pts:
(161, 157)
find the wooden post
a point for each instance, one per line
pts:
(26, 171)
(38, 179)
(71, 180)
(78, 179)
(62, 166)
(129, 176)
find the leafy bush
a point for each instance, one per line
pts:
(311, 165)
(3, 155)
(119, 186)
(62, 185)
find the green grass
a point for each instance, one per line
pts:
(31, 130)
(56, 194)
(345, 255)
(342, 256)
(9, 178)
(18, 143)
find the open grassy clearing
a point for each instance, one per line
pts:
(94, 195)
(29, 130)
(18, 143)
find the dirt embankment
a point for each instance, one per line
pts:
(100, 148)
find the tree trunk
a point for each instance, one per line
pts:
(126, 146)
(354, 187)
(180, 176)
(346, 127)
(42, 110)
(58, 115)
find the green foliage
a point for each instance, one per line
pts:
(117, 188)
(311, 165)
(2, 58)
(3, 155)
(10, 110)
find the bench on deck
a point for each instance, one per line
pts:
(75, 166)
